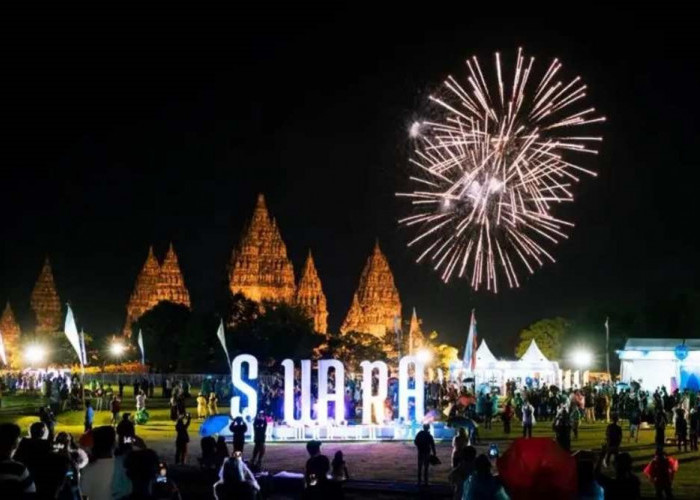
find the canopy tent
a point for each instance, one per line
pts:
(655, 363)
(533, 367)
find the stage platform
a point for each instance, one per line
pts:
(349, 432)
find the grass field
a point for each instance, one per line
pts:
(363, 457)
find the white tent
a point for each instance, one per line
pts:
(659, 362)
(532, 365)
(484, 356)
(533, 355)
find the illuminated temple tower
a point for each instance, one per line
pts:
(310, 296)
(170, 285)
(376, 304)
(259, 267)
(144, 289)
(45, 302)
(10, 336)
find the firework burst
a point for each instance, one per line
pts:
(490, 168)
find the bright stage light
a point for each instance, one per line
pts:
(424, 356)
(582, 358)
(117, 349)
(35, 353)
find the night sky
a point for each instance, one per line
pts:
(124, 131)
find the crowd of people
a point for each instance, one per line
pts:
(467, 409)
(108, 463)
(566, 410)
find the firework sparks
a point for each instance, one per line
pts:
(490, 168)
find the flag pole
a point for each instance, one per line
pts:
(607, 347)
(82, 365)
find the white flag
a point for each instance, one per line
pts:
(143, 353)
(72, 333)
(222, 339)
(83, 352)
(2, 350)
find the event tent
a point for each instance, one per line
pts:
(532, 366)
(672, 363)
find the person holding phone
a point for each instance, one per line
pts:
(182, 438)
(238, 428)
(259, 437)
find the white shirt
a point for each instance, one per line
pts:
(105, 479)
(141, 402)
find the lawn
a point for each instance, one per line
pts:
(363, 458)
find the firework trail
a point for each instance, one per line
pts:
(490, 167)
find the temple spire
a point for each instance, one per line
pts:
(310, 296)
(170, 285)
(415, 335)
(259, 266)
(376, 302)
(45, 301)
(144, 289)
(11, 334)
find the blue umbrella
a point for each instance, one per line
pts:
(214, 425)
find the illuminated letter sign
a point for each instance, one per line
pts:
(240, 384)
(373, 404)
(417, 392)
(338, 396)
(288, 365)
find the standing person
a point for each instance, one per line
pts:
(459, 443)
(213, 400)
(575, 418)
(182, 438)
(140, 399)
(47, 416)
(235, 481)
(562, 429)
(201, 407)
(589, 404)
(259, 437)
(317, 466)
(104, 477)
(121, 388)
(149, 477)
(507, 417)
(660, 472)
(528, 419)
(15, 480)
(339, 469)
(126, 431)
(115, 406)
(482, 484)
(33, 453)
(221, 453)
(173, 408)
(97, 393)
(488, 411)
(180, 406)
(425, 444)
(613, 439)
(625, 485)
(635, 418)
(89, 416)
(694, 428)
(238, 428)
(660, 422)
(681, 430)
(461, 472)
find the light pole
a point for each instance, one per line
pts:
(582, 358)
(35, 354)
(117, 349)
